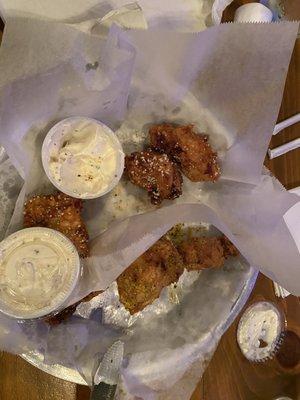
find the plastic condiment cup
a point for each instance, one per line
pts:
(260, 331)
(39, 270)
(253, 12)
(55, 140)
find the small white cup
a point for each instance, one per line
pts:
(39, 271)
(253, 12)
(54, 141)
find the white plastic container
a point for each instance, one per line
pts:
(253, 12)
(260, 331)
(82, 157)
(39, 270)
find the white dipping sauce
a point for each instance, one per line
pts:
(39, 269)
(259, 331)
(82, 157)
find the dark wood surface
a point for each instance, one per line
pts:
(229, 376)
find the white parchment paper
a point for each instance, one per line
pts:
(59, 10)
(228, 81)
(186, 15)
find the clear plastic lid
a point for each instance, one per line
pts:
(260, 331)
(39, 269)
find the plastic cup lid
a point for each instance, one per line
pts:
(260, 331)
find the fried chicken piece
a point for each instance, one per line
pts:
(190, 150)
(201, 253)
(228, 247)
(141, 283)
(156, 173)
(62, 213)
(206, 252)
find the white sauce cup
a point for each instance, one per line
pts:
(39, 270)
(98, 157)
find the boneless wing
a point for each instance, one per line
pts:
(190, 150)
(206, 252)
(141, 283)
(156, 173)
(62, 213)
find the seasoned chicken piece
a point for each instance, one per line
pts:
(201, 253)
(156, 173)
(190, 150)
(62, 213)
(141, 283)
(206, 252)
(228, 247)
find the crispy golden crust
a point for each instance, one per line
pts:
(62, 213)
(206, 252)
(156, 173)
(141, 283)
(190, 150)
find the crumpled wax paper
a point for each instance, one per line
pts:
(228, 81)
(59, 10)
(188, 15)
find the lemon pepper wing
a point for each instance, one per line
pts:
(142, 282)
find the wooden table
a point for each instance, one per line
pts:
(229, 376)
